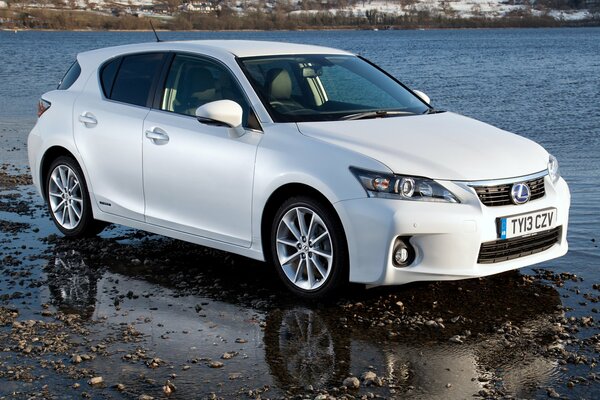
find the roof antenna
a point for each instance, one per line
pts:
(154, 30)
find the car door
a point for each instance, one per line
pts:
(108, 121)
(198, 178)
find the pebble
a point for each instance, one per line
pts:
(369, 378)
(552, 393)
(229, 355)
(168, 388)
(351, 382)
(97, 380)
(215, 364)
(456, 339)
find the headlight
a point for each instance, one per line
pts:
(553, 171)
(401, 187)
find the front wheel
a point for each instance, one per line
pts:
(68, 199)
(309, 248)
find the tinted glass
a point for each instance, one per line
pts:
(107, 76)
(70, 77)
(135, 77)
(325, 87)
(193, 82)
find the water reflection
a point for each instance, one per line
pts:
(292, 346)
(72, 284)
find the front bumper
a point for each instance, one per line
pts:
(446, 237)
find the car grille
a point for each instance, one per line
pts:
(509, 249)
(499, 195)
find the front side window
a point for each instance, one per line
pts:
(326, 87)
(134, 78)
(193, 82)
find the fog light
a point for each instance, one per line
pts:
(403, 253)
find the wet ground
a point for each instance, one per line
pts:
(137, 316)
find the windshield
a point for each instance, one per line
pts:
(299, 88)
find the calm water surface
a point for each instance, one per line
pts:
(541, 83)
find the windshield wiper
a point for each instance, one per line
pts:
(375, 114)
(433, 111)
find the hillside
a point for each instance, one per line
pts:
(294, 14)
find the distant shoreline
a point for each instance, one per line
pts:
(331, 29)
(69, 20)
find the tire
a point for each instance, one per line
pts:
(68, 199)
(308, 248)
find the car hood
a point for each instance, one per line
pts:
(443, 146)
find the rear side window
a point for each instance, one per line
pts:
(70, 77)
(108, 74)
(135, 78)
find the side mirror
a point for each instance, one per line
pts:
(422, 96)
(220, 112)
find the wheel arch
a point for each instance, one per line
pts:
(51, 154)
(277, 198)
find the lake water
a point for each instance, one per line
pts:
(541, 83)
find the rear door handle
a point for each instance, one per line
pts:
(157, 136)
(88, 119)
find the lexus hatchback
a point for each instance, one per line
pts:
(310, 158)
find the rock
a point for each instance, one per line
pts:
(76, 359)
(369, 378)
(351, 382)
(120, 387)
(168, 388)
(215, 364)
(229, 355)
(97, 380)
(145, 397)
(235, 375)
(240, 340)
(185, 367)
(448, 385)
(456, 339)
(321, 397)
(552, 393)
(154, 363)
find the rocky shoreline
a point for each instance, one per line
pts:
(134, 315)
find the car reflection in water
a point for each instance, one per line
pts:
(72, 284)
(301, 346)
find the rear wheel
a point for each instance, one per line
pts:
(309, 247)
(68, 199)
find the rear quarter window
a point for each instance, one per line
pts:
(134, 78)
(70, 77)
(108, 74)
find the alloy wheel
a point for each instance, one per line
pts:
(304, 248)
(65, 197)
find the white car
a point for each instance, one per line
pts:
(311, 158)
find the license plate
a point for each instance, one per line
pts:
(525, 224)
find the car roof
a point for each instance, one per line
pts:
(238, 48)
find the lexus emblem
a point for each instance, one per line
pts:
(520, 193)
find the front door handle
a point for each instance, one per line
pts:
(157, 136)
(88, 119)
